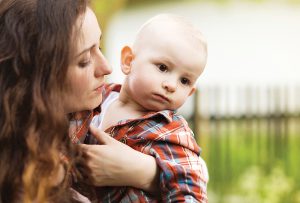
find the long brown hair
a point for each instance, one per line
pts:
(35, 51)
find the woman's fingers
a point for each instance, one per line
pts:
(101, 137)
(104, 140)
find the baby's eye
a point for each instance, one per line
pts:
(162, 67)
(185, 81)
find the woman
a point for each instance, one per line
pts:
(44, 77)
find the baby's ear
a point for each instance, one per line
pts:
(126, 59)
(192, 91)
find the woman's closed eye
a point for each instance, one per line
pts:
(84, 63)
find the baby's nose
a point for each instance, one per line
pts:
(170, 86)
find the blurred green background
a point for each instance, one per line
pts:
(249, 131)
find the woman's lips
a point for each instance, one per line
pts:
(99, 89)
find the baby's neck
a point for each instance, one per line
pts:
(127, 101)
(118, 111)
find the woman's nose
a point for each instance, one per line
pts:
(102, 66)
(168, 85)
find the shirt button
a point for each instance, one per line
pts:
(123, 140)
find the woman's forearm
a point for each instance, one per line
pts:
(146, 174)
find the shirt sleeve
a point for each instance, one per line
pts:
(183, 173)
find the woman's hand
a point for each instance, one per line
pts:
(113, 163)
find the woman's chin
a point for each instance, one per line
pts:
(95, 103)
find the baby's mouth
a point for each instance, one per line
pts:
(161, 98)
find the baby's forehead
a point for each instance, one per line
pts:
(171, 34)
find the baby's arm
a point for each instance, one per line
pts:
(113, 163)
(183, 174)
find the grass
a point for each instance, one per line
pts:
(252, 160)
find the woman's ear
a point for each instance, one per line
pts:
(126, 59)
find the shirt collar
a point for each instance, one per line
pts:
(166, 114)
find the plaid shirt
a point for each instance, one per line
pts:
(167, 137)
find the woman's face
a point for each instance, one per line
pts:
(85, 76)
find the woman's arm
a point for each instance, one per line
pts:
(115, 164)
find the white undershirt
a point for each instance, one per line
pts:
(97, 120)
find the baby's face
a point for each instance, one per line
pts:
(164, 71)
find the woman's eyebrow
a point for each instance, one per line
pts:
(87, 49)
